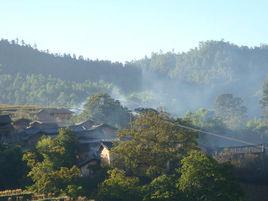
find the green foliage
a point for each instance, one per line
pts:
(256, 125)
(119, 187)
(26, 60)
(194, 78)
(211, 62)
(162, 188)
(104, 109)
(50, 180)
(156, 144)
(91, 184)
(202, 178)
(31, 76)
(231, 110)
(52, 165)
(69, 142)
(204, 118)
(47, 90)
(12, 168)
(264, 100)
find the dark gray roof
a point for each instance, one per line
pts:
(45, 128)
(22, 120)
(41, 125)
(86, 128)
(35, 124)
(103, 126)
(32, 131)
(86, 125)
(107, 144)
(5, 119)
(142, 110)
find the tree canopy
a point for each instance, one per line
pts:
(203, 179)
(230, 109)
(21, 58)
(104, 109)
(155, 145)
(52, 165)
(119, 187)
(203, 72)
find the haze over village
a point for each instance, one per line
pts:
(134, 101)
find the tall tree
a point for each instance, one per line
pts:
(231, 110)
(204, 118)
(52, 165)
(119, 187)
(155, 145)
(264, 100)
(104, 109)
(162, 188)
(203, 179)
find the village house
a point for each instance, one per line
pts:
(86, 125)
(21, 124)
(61, 116)
(101, 132)
(94, 155)
(95, 140)
(105, 153)
(31, 134)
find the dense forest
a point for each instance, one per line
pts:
(195, 78)
(18, 57)
(178, 82)
(47, 91)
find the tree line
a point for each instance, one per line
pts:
(47, 90)
(163, 79)
(21, 58)
(159, 162)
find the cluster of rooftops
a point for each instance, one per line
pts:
(92, 136)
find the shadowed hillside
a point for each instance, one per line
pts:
(179, 82)
(24, 59)
(195, 78)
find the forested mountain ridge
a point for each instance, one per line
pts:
(176, 81)
(20, 58)
(48, 90)
(211, 61)
(201, 74)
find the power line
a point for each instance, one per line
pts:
(216, 135)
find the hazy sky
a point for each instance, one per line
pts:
(122, 30)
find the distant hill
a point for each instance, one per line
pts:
(212, 61)
(176, 81)
(24, 59)
(197, 76)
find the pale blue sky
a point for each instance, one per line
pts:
(121, 30)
